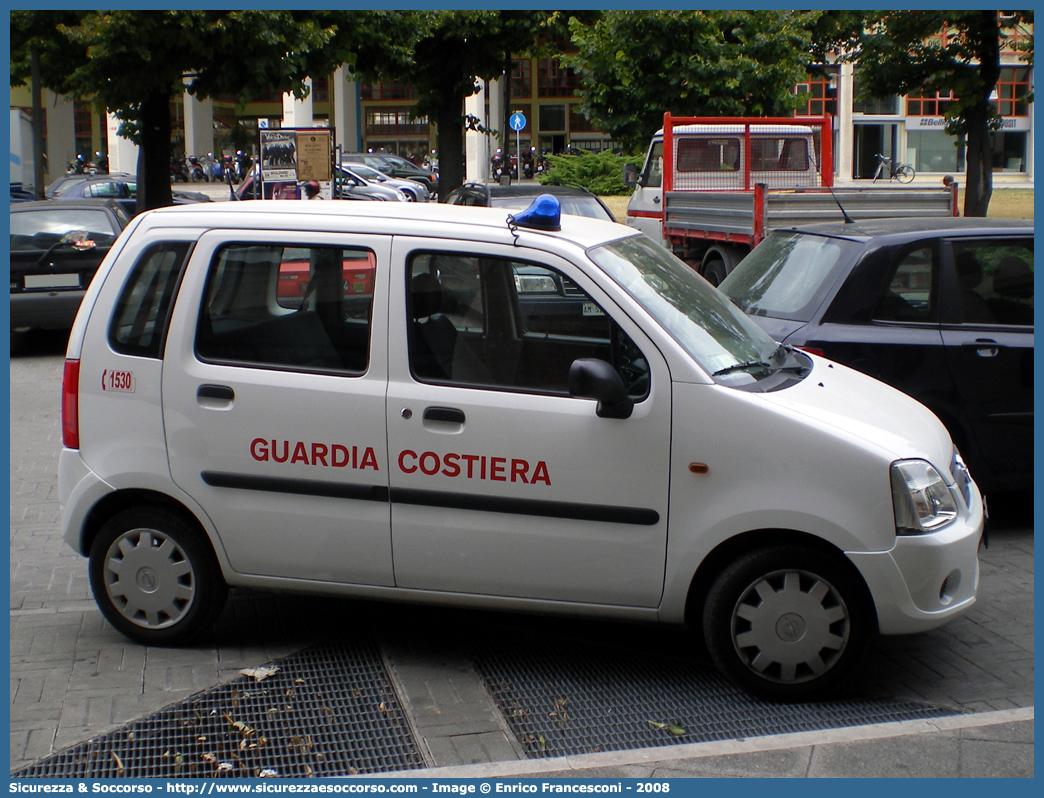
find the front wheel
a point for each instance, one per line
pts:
(787, 623)
(905, 173)
(154, 577)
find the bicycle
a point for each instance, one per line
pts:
(902, 172)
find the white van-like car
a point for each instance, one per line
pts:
(521, 412)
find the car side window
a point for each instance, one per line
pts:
(139, 322)
(910, 289)
(508, 325)
(995, 281)
(298, 308)
(653, 177)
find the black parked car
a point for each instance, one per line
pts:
(573, 199)
(55, 249)
(120, 186)
(940, 308)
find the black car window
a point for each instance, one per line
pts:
(41, 229)
(995, 281)
(910, 289)
(140, 319)
(508, 325)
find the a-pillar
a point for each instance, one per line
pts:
(61, 134)
(298, 113)
(345, 121)
(199, 125)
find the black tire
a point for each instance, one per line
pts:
(905, 174)
(714, 270)
(154, 577)
(787, 623)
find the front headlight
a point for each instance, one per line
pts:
(921, 500)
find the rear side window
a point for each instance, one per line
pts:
(294, 308)
(139, 322)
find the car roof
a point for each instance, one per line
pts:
(431, 219)
(65, 205)
(902, 227)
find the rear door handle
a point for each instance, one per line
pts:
(985, 347)
(449, 415)
(215, 395)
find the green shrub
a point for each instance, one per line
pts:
(600, 173)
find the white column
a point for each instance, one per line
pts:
(476, 144)
(497, 119)
(199, 125)
(61, 134)
(298, 113)
(123, 153)
(345, 119)
(843, 156)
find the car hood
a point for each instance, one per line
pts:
(858, 405)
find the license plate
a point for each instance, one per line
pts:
(52, 281)
(591, 309)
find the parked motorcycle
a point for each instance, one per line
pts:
(497, 165)
(195, 169)
(527, 163)
(214, 171)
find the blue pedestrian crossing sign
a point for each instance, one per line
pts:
(517, 121)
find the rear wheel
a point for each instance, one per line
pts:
(154, 577)
(787, 623)
(905, 174)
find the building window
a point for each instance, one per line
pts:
(818, 93)
(578, 123)
(555, 80)
(394, 121)
(929, 104)
(320, 90)
(552, 118)
(387, 90)
(521, 79)
(1012, 88)
(883, 106)
(934, 151)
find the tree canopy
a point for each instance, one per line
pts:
(635, 65)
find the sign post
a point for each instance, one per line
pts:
(518, 122)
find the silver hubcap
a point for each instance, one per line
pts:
(790, 626)
(149, 578)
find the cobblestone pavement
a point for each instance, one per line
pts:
(73, 677)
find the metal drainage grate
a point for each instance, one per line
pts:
(330, 710)
(583, 699)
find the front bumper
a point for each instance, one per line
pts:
(924, 581)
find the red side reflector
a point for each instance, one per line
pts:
(71, 404)
(812, 350)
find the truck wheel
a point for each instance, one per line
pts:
(714, 270)
(786, 623)
(154, 577)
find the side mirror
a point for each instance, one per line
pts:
(630, 175)
(590, 378)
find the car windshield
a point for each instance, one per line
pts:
(575, 206)
(726, 343)
(788, 275)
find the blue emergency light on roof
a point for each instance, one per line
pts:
(544, 213)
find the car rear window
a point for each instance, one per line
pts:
(140, 320)
(35, 230)
(788, 275)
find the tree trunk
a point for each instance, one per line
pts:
(154, 153)
(449, 135)
(979, 188)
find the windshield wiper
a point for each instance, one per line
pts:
(750, 364)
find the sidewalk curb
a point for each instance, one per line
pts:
(665, 755)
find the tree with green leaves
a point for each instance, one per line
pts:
(133, 63)
(903, 52)
(451, 51)
(635, 65)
